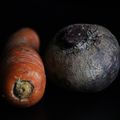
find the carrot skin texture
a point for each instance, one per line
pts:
(24, 36)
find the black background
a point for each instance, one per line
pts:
(47, 17)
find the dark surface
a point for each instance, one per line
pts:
(47, 17)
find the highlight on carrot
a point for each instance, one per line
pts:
(23, 73)
(24, 36)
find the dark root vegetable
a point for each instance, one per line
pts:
(83, 57)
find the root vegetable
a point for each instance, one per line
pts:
(23, 72)
(85, 57)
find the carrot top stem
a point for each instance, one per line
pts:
(23, 89)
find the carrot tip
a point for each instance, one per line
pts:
(23, 89)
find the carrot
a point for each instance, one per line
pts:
(23, 71)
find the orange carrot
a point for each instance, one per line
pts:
(23, 71)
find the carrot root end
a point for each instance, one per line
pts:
(23, 89)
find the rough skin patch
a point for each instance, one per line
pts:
(23, 89)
